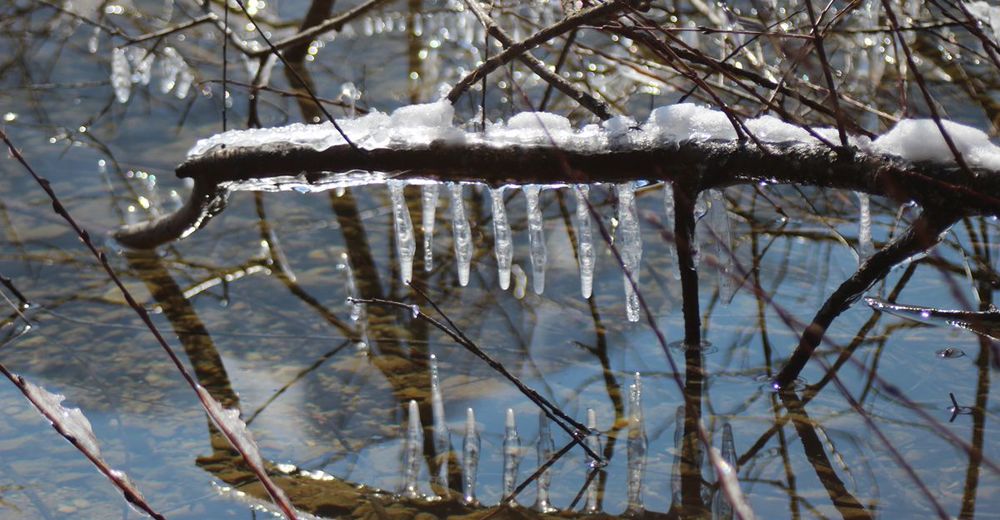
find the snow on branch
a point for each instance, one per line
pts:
(678, 143)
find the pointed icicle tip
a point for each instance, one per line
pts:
(510, 418)
(470, 420)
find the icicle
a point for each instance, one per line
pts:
(675, 473)
(120, 75)
(629, 246)
(865, 246)
(462, 234)
(721, 508)
(585, 240)
(412, 450)
(142, 64)
(595, 445)
(536, 239)
(699, 211)
(637, 445)
(442, 442)
(428, 203)
(544, 449)
(668, 223)
(502, 237)
(470, 458)
(351, 94)
(718, 220)
(405, 242)
(357, 309)
(184, 80)
(511, 454)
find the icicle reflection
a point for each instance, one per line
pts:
(470, 458)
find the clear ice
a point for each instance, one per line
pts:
(592, 505)
(428, 204)
(406, 245)
(504, 246)
(536, 239)
(545, 449)
(585, 240)
(442, 441)
(412, 451)
(511, 454)
(668, 223)
(865, 246)
(637, 445)
(470, 458)
(461, 232)
(629, 246)
(718, 221)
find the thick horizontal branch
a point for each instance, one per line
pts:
(274, 167)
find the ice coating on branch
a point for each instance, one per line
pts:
(636, 446)
(502, 237)
(920, 140)
(235, 430)
(69, 421)
(420, 125)
(406, 245)
(461, 232)
(412, 449)
(536, 239)
(121, 75)
(470, 458)
(442, 441)
(74, 426)
(629, 246)
(545, 449)
(428, 207)
(511, 454)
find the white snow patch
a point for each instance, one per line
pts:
(687, 121)
(921, 140)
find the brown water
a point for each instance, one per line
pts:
(256, 302)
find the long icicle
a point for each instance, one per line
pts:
(442, 442)
(637, 445)
(470, 458)
(668, 223)
(593, 504)
(428, 206)
(544, 450)
(511, 454)
(412, 449)
(630, 246)
(504, 247)
(585, 240)
(462, 233)
(406, 245)
(536, 239)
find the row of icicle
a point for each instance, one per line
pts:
(636, 448)
(710, 206)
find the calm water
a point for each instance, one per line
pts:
(256, 303)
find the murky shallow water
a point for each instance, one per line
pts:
(256, 301)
